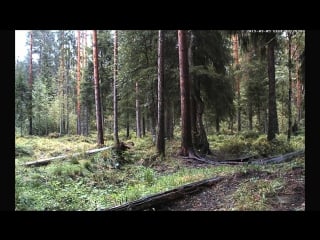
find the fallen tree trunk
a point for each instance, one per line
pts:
(241, 159)
(48, 160)
(278, 159)
(247, 160)
(201, 160)
(164, 197)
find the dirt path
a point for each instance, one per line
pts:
(220, 196)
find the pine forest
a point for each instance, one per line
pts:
(160, 120)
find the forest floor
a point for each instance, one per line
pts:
(94, 183)
(223, 195)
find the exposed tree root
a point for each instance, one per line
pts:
(193, 155)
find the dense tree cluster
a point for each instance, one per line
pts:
(147, 81)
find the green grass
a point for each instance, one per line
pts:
(147, 185)
(45, 147)
(252, 194)
(92, 182)
(249, 143)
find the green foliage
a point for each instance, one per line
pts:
(74, 160)
(249, 143)
(265, 148)
(21, 96)
(68, 169)
(211, 48)
(149, 176)
(252, 195)
(94, 184)
(210, 57)
(87, 165)
(97, 181)
(262, 146)
(249, 134)
(236, 146)
(21, 150)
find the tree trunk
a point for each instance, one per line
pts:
(78, 86)
(203, 144)
(86, 117)
(67, 91)
(250, 114)
(199, 136)
(100, 140)
(160, 127)
(168, 119)
(30, 86)
(186, 138)
(217, 124)
(153, 108)
(273, 121)
(138, 117)
(200, 140)
(231, 124)
(115, 100)
(85, 49)
(259, 117)
(128, 127)
(143, 125)
(236, 61)
(290, 85)
(193, 103)
(265, 126)
(298, 89)
(61, 84)
(127, 121)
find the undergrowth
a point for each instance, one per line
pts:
(108, 179)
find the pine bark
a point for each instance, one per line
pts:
(100, 140)
(298, 89)
(199, 136)
(61, 85)
(290, 85)
(78, 85)
(84, 119)
(160, 127)
(138, 113)
(250, 115)
(115, 100)
(30, 85)
(236, 61)
(273, 121)
(168, 119)
(186, 138)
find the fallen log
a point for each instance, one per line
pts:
(201, 160)
(48, 160)
(280, 158)
(164, 197)
(240, 159)
(215, 161)
(230, 163)
(247, 160)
